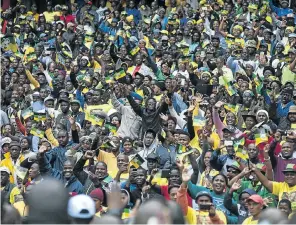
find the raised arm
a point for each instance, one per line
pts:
(116, 104)
(264, 180)
(78, 168)
(267, 162)
(182, 192)
(136, 107)
(180, 122)
(221, 27)
(19, 124)
(32, 79)
(218, 123)
(228, 203)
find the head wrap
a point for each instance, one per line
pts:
(262, 111)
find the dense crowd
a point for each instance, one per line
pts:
(171, 111)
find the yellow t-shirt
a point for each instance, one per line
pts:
(13, 167)
(14, 192)
(202, 216)
(250, 220)
(22, 208)
(283, 190)
(49, 16)
(110, 159)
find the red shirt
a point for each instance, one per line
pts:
(67, 19)
(165, 192)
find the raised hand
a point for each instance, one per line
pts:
(146, 189)
(180, 164)
(219, 104)
(191, 106)
(88, 154)
(236, 185)
(185, 176)
(154, 172)
(246, 170)
(163, 117)
(72, 120)
(42, 149)
(123, 168)
(199, 98)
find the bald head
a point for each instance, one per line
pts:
(272, 216)
(48, 202)
(153, 209)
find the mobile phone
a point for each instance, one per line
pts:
(165, 173)
(248, 163)
(204, 207)
(90, 153)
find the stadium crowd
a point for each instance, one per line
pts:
(135, 112)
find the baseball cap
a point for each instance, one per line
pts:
(97, 194)
(203, 193)
(4, 169)
(229, 128)
(290, 168)
(74, 101)
(152, 156)
(256, 198)
(165, 38)
(48, 98)
(63, 100)
(81, 206)
(234, 165)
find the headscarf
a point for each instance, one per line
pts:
(262, 111)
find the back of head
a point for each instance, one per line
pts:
(153, 209)
(106, 219)
(48, 202)
(176, 213)
(9, 214)
(272, 216)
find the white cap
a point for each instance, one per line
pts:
(48, 98)
(81, 206)
(4, 169)
(228, 143)
(5, 140)
(85, 57)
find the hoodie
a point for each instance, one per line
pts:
(236, 208)
(146, 150)
(131, 123)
